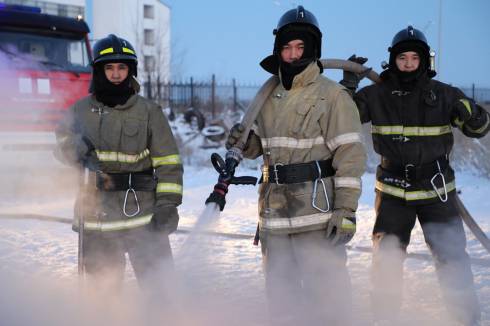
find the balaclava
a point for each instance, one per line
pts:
(108, 93)
(410, 78)
(290, 70)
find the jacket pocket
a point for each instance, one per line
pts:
(132, 135)
(305, 120)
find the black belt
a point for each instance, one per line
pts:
(142, 181)
(411, 172)
(300, 172)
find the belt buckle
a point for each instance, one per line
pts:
(276, 176)
(408, 168)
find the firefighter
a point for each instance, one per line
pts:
(411, 116)
(135, 182)
(308, 132)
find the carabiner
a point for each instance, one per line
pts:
(315, 187)
(135, 198)
(443, 183)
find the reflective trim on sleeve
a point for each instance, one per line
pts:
(293, 222)
(413, 195)
(118, 225)
(108, 156)
(105, 51)
(166, 160)
(169, 188)
(289, 142)
(348, 182)
(353, 137)
(411, 131)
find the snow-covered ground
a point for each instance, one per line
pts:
(222, 284)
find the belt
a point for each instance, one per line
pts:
(412, 172)
(142, 181)
(300, 172)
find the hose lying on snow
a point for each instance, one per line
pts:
(239, 236)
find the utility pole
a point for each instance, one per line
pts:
(439, 39)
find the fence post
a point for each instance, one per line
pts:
(159, 95)
(213, 93)
(192, 92)
(148, 89)
(473, 91)
(235, 98)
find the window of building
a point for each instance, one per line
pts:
(148, 11)
(149, 63)
(149, 37)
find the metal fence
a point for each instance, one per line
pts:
(209, 97)
(480, 95)
(212, 98)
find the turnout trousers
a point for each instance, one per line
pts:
(307, 282)
(444, 234)
(149, 253)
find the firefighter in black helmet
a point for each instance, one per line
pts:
(308, 133)
(135, 182)
(412, 117)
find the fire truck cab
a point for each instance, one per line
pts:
(44, 67)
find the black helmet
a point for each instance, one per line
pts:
(295, 19)
(113, 48)
(409, 34)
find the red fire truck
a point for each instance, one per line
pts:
(44, 67)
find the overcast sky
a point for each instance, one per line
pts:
(230, 37)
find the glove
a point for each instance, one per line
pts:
(92, 162)
(351, 79)
(463, 111)
(341, 226)
(236, 133)
(165, 218)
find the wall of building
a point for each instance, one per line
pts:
(145, 24)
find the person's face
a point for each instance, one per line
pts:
(292, 51)
(116, 72)
(408, 61)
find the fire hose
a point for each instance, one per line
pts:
(226, 168)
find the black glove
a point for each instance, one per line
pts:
(351, 79)
(463, 110)
(236, 133)
(165, 218)
(341, 227)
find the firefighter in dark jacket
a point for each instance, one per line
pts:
(135, 182)
(412, 117)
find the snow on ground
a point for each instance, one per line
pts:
(38, 259)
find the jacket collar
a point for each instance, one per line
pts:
(306, 77)
(130, 102)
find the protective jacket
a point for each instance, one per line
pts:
(412, 131)
(127, 140)
(315, 120)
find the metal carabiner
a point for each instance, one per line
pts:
(135, 198)
(315, 187)
(439, 174)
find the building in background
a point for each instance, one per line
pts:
(144, 23)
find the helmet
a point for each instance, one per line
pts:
(409, 34)
(113, 48)
(295, 19)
